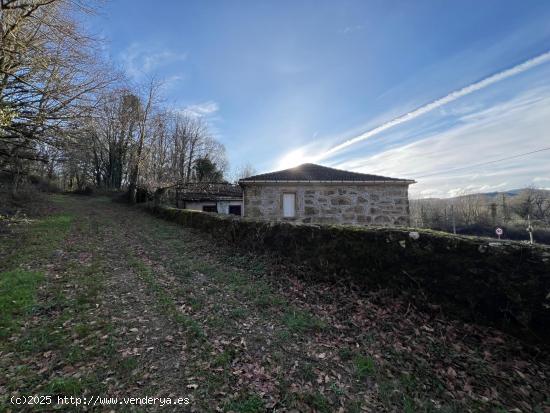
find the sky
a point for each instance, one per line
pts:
(453, 94)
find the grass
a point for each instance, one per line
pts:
(57, 317)
(307, 373)
(247, 404)
(345, 354)
(364, 366)
(318, 402)
(36, 239)
(18, 281)
(224, 358)
(164, 301)
(238, 341)
(299, 322)
(17, 296)
(65, 386)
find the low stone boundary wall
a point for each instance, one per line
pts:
(502, 284)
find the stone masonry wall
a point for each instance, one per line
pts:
(378, 204)
(502, 284)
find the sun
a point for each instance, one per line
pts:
(293, 158)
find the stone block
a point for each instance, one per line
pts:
(253, 212)
(311, 211)
(364, 219)
(381, 220)
(401, 220)
(340, 201)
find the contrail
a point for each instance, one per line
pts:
(522, 67)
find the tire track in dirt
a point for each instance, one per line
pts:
(239, 347)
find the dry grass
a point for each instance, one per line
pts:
(131, 305)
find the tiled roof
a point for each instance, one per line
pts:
(313, 172)
(207, 191)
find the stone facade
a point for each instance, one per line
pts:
(331, 203)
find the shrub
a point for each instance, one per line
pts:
(87, 190)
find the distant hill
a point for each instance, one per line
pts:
(511, 193)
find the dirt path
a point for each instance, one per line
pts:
(135, 306)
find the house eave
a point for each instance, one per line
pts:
(217, 199)
(348, 182)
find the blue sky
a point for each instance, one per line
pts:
(283, 82)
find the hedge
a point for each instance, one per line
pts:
(501, 284)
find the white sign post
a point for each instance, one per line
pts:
(499, 232)
(530, 229)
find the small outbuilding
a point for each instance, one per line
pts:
(223, 198)
(313, 193)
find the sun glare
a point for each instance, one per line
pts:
(293, 158)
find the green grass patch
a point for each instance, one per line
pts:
(318, 402)
(35, 241)
(346, 354)
(71, 386)
(17, 295)
(164, 302)
(225, 358)
(248, 404)
(42, 338)
(298, 321)
(364, 366)
(126, 365)
(237, 313)
(18, 285)
(65, 386)
(307, 373)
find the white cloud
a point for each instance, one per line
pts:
(350, 29)
(200, 110)
(139, 59)
(529, 64)
(517, 126)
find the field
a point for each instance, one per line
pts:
(101, 299)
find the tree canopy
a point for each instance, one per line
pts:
(65, 113)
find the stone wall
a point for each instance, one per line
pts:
(371, 204)
(502, 284)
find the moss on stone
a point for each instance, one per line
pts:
(503, 284)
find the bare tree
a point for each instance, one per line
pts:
(541, 205)
(59, 106)
(48, 77)
(243, 171)
(534, 203)
(143, 115)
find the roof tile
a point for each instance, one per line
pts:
(313, 172)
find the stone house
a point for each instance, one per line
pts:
(313, 193)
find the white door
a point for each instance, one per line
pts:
(289, 205)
